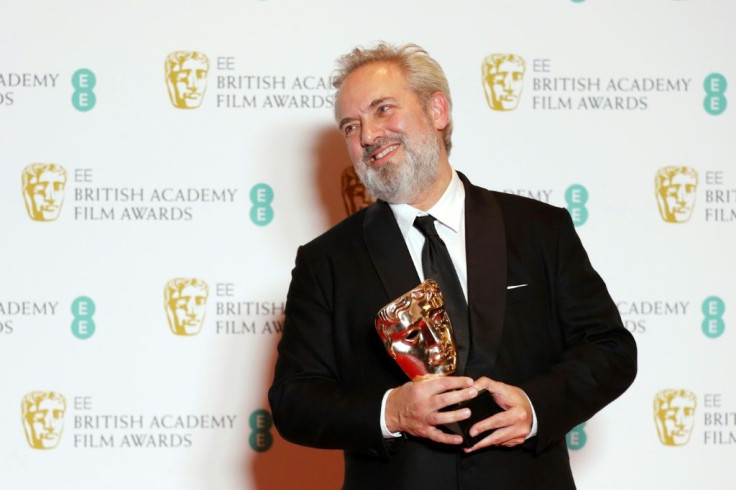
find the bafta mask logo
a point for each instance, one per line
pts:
(354, 194)
(674, 415)
(675, 191)
(186, 78)
(43, 190)
(185, 300)
(42, 413)
(416, 331)
(503, 80)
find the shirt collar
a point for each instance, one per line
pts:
(448, 210)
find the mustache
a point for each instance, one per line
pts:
(386, 140)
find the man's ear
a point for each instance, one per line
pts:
(438, 110)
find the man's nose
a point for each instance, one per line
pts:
(369, 133)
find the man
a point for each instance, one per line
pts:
(503, 80)
(545, 337)
(675, 191)
(42, 413)
(186, 78)
(185, 302)
(43, 190)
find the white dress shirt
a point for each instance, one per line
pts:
(449, 212)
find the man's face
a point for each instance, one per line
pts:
(188, 307)
(676, 418)
(503, 85)
(189, 81)
(677, 197)
(393, 141)
(44, 424)
(45, 195)
(421, 340)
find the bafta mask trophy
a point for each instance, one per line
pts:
(417, 333)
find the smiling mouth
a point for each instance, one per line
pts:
(385, 152)
(380, 150)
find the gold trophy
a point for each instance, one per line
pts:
(418, 335)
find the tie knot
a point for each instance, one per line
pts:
(425, 224)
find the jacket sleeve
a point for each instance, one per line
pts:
(598, 359)
(310, 402)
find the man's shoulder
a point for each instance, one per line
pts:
(510, 203)
(349, 230)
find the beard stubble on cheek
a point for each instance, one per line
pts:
(401, 180)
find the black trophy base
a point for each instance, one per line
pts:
(481, 407)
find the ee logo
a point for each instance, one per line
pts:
(713, 324)
(715, 87)
(577, 437)
(260, 438)
(261, 195)
(83, 98)
(83, 326)
(576, 196)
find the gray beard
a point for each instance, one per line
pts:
(400, 182)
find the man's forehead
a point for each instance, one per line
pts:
(369, 85)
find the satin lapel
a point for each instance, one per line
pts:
(485, 245)
(387, 249)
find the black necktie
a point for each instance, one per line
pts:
(437, 265)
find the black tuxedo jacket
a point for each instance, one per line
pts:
(558, 336)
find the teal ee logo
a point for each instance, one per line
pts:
(715, 87)
(260, 438)
(83, 98)
(713, 324)
(261, 195)
(83, 326)
(576, 196)
(577, 437)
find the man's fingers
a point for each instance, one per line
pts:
(450, 398)
(438, 435)
(448, 417)
(440, 384)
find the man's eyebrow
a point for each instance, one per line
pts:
(374, 103)
(344, 121)
(380, 101)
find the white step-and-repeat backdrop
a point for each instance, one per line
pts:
(161, 161)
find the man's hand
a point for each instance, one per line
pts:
(414, 407)
(512, 425)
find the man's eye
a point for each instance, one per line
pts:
(348, 129)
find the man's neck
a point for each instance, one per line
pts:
(429, 197)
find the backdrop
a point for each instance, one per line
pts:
(160, 162)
